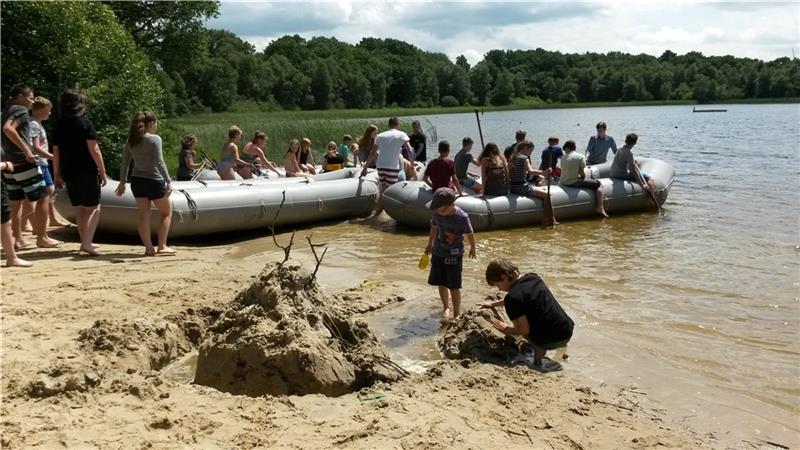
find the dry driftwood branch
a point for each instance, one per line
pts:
(288, 248)
(318, 259)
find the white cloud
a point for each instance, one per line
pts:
(766, 31)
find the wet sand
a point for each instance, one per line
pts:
(60, 392)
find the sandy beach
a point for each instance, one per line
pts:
(89, 350)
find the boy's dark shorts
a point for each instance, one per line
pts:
(5, 205)
(83, 190)
(146, 187)
(445, 271)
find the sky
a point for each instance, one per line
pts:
(761, 30)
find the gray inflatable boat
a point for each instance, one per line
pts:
(210, 208)
(407, 202)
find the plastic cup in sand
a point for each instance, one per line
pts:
(424, 260)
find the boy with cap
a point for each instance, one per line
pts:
(449, 224)
(534, 311)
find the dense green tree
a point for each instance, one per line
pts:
(481, 82)
(503, 89)
(321, 86)
(213, 81)
(52, 46)
(171, 32)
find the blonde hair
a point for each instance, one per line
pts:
(331, 147)
(233, 131)
(41, 103)
(362, 141)
(292, 143)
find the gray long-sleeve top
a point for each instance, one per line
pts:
(148, 161)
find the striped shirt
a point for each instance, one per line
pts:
(518, 184)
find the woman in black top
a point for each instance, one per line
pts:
(186, 164)
(78, 163)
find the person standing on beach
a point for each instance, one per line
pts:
(533, 310)
(24, 181)
(41, 110)
(419, 142)
(449, 224)
(78, 163)
(12, 260)
(597, 149)
(150, 181)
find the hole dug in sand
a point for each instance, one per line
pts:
(284, 336)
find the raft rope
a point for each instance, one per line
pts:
(192, 206)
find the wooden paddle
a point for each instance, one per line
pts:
(649, 192)
(480, 132)
(548, 220)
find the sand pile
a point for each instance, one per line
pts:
(283, 336)
(472, 336)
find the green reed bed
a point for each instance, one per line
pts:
(211, 131)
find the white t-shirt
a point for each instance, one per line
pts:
(390, 144)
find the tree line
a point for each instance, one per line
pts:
(128, 55)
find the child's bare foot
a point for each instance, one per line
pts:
(21, 244)
(54, 222)
(48, 242)
(447, 315)
(90, 251)
(27, 229)
(18, 262)
(601, 212)
(166, 251)
(150, 252)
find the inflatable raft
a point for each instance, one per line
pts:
(407, 202)
(209, 207)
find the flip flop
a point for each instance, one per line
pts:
(167, 253)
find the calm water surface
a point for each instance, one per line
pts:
(700, 308)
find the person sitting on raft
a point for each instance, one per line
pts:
(253, 153)
(624, 166)
(186, 164)
(462, 161)
(229, 156)
(573, 174)
(520, 168)
(290, 164)
(333, 159)
(494, 170)
(533, 310)
(306, 158)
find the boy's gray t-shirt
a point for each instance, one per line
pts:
(623, 160)
(449, 240)
(462, 161)
(38, 132)
(20, 114)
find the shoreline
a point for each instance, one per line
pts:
(476, 404)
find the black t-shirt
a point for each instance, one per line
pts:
(420, 145)
(20, 114)
(508, 151)
(70, 135)
(531, 297)
(184, 171)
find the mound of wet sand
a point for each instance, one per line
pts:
(472, 336)
(284, 336)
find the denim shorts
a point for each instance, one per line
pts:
(468, 182)
(46, 176)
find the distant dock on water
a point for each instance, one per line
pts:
(694, 109)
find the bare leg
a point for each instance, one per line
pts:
(548, 207)
(164, 205)
(16, 223)
(455, 295)
(40, 224)
(444, 295)
(227, 174)
(143, 225)
(54, 218)
(598, 201)
(89, 220)
(26, 216)
(8, 247)
(538, 354)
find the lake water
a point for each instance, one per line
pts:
(700, 308)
